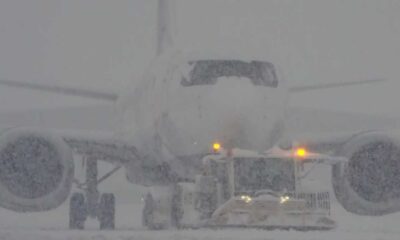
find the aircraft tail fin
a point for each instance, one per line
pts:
(166, 25)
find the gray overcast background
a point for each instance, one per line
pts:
(102, 44)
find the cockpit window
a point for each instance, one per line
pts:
(207, 72)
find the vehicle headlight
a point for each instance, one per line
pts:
(246, 198)
(284, 199)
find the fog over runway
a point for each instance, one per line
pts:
(105, 45)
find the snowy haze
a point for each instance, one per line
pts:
(105, 45)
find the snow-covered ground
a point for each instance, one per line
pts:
(53, 224)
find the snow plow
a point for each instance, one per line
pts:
(243, 189)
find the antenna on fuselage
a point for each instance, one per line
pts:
(165, 25)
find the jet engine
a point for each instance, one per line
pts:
(369, 184)
(36, 170)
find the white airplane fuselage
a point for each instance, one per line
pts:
(169, 121)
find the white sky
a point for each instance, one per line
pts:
(104, 44)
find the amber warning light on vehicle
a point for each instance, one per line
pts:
(301, 152)
(216, 147)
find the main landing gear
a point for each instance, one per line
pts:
(91, 203)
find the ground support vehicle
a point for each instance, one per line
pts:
(240, 188)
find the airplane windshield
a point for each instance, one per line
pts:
(207, 72)
(252, 175)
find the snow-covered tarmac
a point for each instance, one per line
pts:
(191, 235)
(53, 224)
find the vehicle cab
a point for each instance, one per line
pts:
(261, 190)
(246, 173)
(241, 188)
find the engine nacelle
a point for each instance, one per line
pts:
(36, 170)
(369, 184)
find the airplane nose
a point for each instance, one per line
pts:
(233, 131)
(233, 112)
(238, 111)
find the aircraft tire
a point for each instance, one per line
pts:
(148, 213)
(106, 213)
(77, 211)
(176, 208)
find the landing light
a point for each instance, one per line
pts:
(245, 198)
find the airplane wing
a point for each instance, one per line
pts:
(112, 97)
(325, 130)
(101, 146)
(305, 156)
(99, 95)
(312, 87)
(104, 146)
(107, 147)
(306, 119)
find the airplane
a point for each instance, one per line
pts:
(169, 120)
